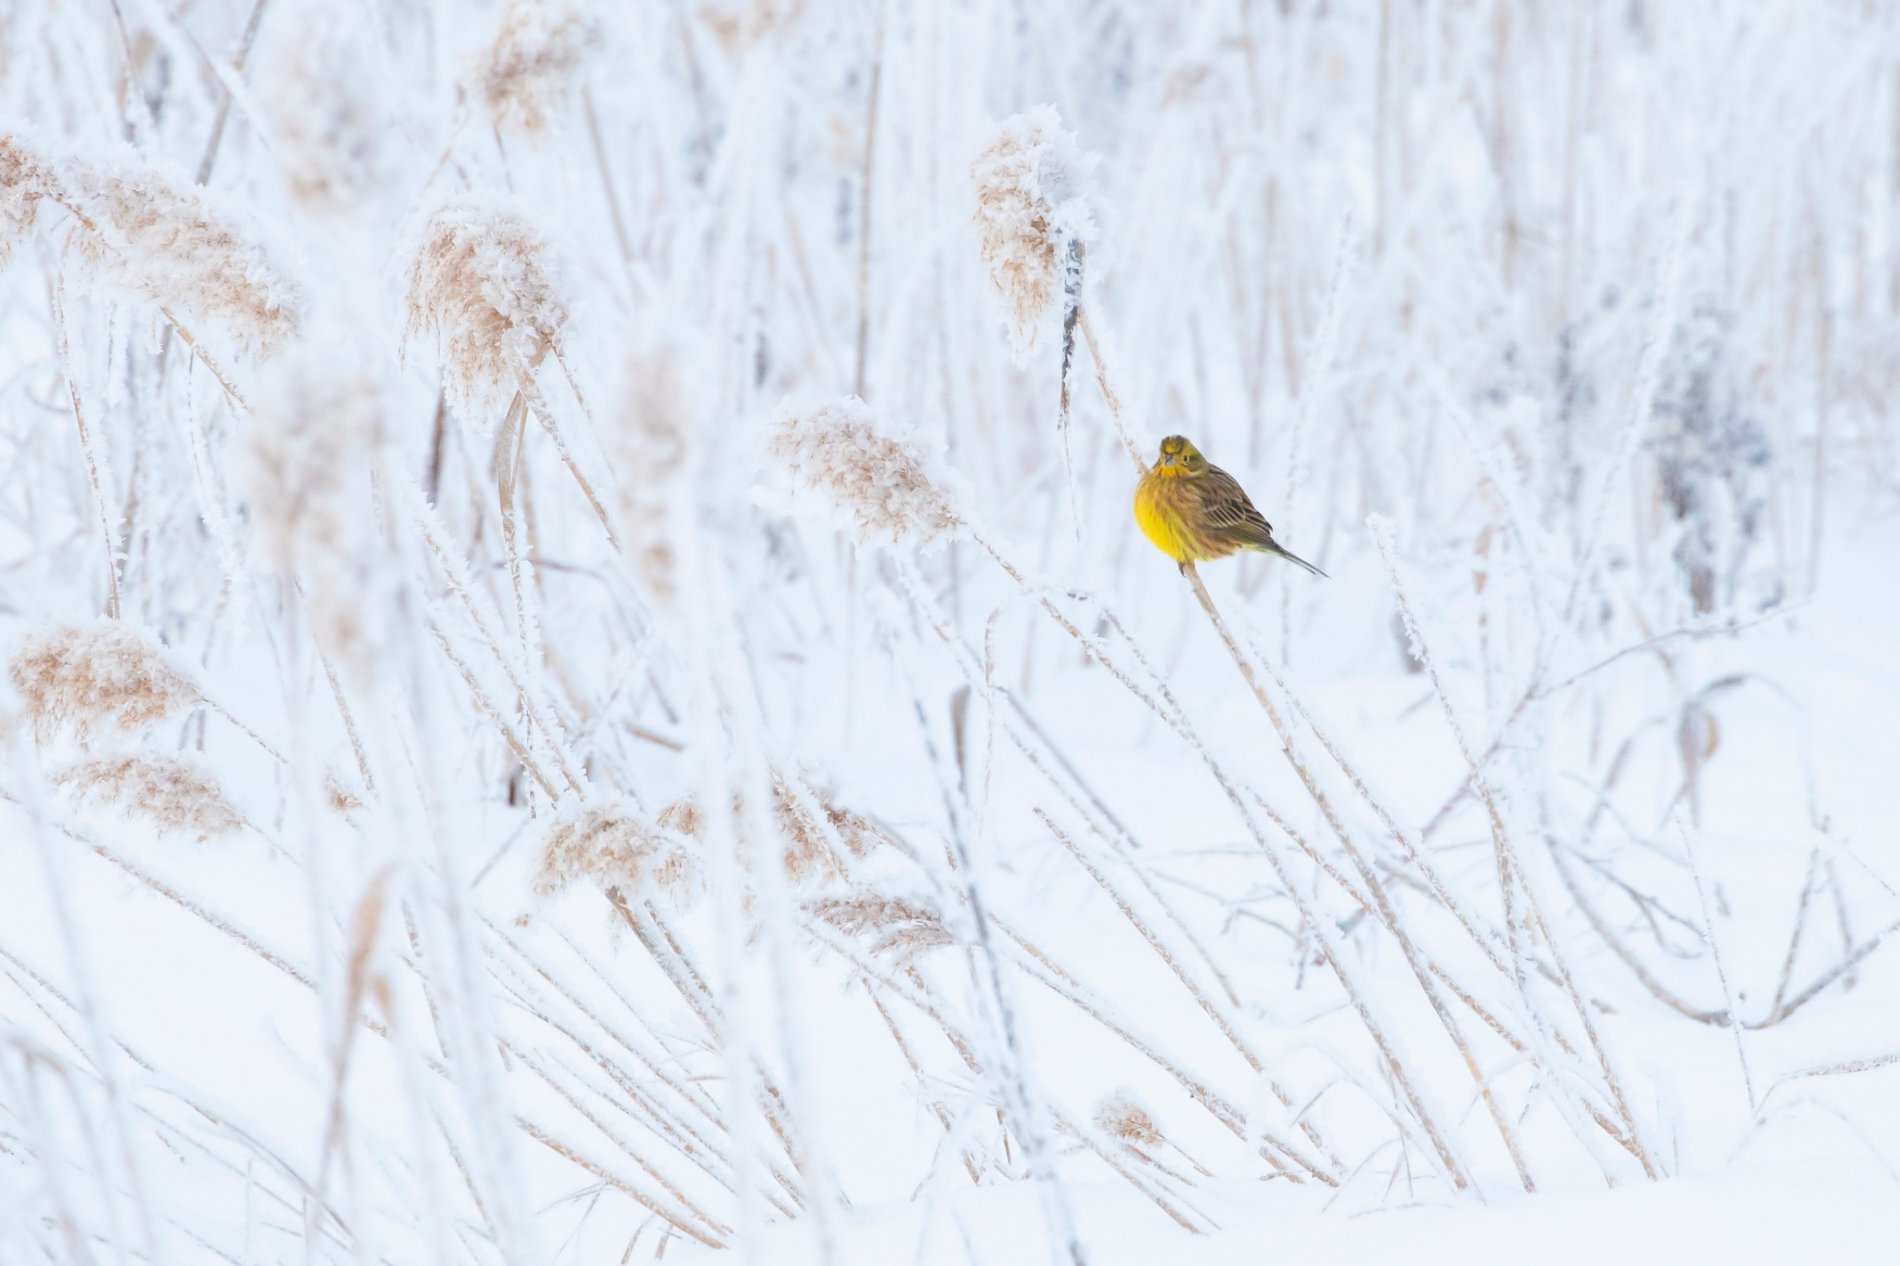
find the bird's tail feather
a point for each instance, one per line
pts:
(1274, 547)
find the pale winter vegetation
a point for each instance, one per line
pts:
(582, 685)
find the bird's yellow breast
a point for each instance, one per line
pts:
(1158, 515)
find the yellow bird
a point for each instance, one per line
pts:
(1194, 511)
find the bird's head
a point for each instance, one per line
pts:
(1178, 457)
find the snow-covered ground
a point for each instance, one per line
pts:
(582, 685)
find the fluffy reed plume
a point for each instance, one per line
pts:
(343, 798)
(604, 842)
(807, 854)
(649, 450)
(539, 48)
(164, 239)
(682, 817)
(883, 484)
(898, 926)
(325, 109)
(309, 459)
(27, 178)
(172, 794)
(809, 857)
(110, 674)
(1120, 1115)
(190, 257)
(854, 830)
(484, 285)
(1032, 216)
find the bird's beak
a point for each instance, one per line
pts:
(1167, 459)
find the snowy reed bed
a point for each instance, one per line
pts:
(619, 858)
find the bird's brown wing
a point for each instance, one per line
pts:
(1228, 512)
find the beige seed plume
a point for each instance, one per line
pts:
(1031, 206)
(27, 178)
(539, 49)
(310, 454)
(896, 926)
(883, 484)
(172, 794)
(649, 451)
(806, 852)
(1121, 1115)
(483, 284)
(343, 797)
(605, 843)
(808, 857)
(109, 674)
(328, 122)
(163, 237)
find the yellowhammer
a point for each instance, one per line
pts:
(1194, 511)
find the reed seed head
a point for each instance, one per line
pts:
(27, 178)
(1121, 1115)
(1031, 208)
(483, 283)
(174, 245)
(173, 794)
(806, 852)
(604, 842)
(327, 115)
(808, 856)
(109, 674)
(897, 926)
(310, 454)
(539, 50)
(884, 485)
(649, 448)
